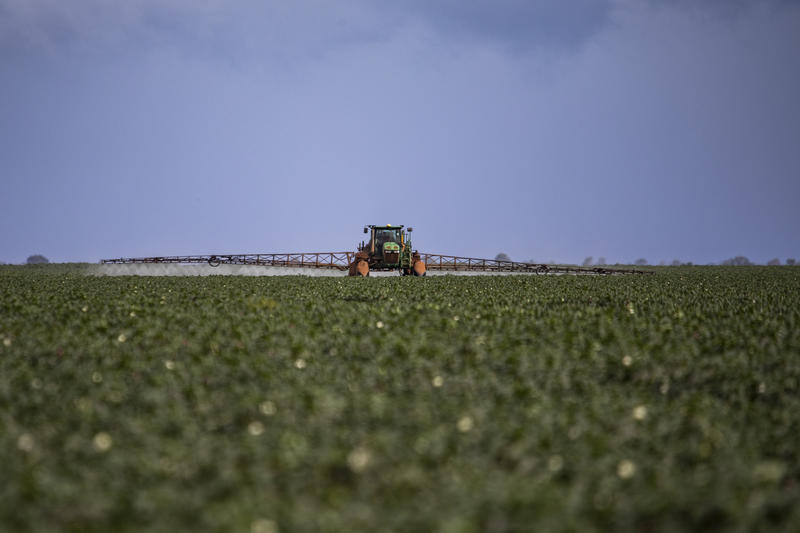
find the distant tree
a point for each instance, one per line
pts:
(774, 262)
(791, 261)
(676, 262)
(739, 260)
(601, 261)
(37, 260)
(641, 261)
(502, 257)
(588, 261)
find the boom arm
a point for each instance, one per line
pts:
(342, 260)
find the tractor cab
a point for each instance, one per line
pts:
(382, 236)
(386, 243)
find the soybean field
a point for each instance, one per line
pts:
(457, 404)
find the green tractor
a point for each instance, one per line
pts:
(388, 248)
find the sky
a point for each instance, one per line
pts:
(548, 130)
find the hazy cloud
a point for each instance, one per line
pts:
(217, 28)
(260, 30)
(296, 27)
(520, 24)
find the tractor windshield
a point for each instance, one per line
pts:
(386, 235)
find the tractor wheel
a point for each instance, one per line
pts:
(359, 267)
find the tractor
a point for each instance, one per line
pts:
(389, 248)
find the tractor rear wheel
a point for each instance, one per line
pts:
(359, 267)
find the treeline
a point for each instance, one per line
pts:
(739, 260)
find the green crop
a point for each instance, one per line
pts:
(667, 402)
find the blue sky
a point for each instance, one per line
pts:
(550, 130)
